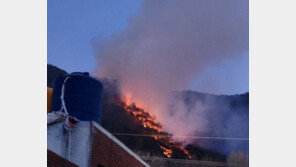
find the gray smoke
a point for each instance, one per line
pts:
(165, 46)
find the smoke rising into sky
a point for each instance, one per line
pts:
(166, 45)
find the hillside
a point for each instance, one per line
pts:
(52, 73)
(228, 114)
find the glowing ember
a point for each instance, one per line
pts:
(166, 151)
(149, 122)
(146, 120)
(185, 151)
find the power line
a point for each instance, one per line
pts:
(192, 137)
(197, 162)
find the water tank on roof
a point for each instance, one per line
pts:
(82, 96)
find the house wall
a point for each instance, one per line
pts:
(108, 153)
(54, 160)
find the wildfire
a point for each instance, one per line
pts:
(185, 151)
(143, 117)
(148, 121)
(172, 142)
(166, 151)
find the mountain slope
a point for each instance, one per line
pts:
(122, 120)
(227, 116)
(52, 73)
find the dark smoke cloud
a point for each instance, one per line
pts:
(168, 43)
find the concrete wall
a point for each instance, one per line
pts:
(74, 147)
(89, 144)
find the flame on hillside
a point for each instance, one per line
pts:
(167, 143)
(146, 120)
(167, 152)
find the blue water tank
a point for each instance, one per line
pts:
(83, 96)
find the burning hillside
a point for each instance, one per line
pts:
(139, 130)
(166, 143)
(167, 47)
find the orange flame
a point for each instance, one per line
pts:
(184, 151)
(166, 151)
(146, 120)
(149, 122)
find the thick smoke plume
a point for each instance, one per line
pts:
(166, 45)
